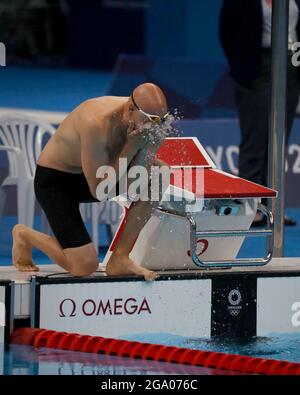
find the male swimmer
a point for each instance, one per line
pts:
(97, 133)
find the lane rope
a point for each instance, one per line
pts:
(153, 352)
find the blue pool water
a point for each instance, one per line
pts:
(26, 360)
(284, 347)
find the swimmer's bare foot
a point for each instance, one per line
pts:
(21, 251)
(121, 264)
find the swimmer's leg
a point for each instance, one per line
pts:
(138, 215)
(120, 263)
(79, 261)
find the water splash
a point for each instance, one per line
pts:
(158, 132)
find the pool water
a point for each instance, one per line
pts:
(27, 360)
(284, 347)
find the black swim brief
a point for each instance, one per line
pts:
(59, 194)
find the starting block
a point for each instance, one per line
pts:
(207, 228)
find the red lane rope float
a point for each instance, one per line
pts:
(154, 352)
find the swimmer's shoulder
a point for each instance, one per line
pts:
(92, 118)
(102, 103)
(98, 107)
(91, 126)
(96, 112)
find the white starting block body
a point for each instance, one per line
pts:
(164, 243)
(218, 201)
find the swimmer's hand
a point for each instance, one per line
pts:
(155, 134)
(146, 136)
(156, 138)
(137, 137)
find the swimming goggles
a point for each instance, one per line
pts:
(152, 117)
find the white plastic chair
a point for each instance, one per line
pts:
(21, 137)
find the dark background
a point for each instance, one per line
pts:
(92, 33)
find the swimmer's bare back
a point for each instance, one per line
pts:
(94, 117)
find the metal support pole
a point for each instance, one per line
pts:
(277, 122)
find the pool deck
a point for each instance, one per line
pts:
(21, 281)
(276, 265)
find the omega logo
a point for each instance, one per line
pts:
(109, 307)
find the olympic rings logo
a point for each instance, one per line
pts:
(234, 297)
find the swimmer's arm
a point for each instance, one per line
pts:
(93, 156)
(129, 151)
(147, 157)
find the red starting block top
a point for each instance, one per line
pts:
(184, 152)
(187, 152)
(220, 185)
